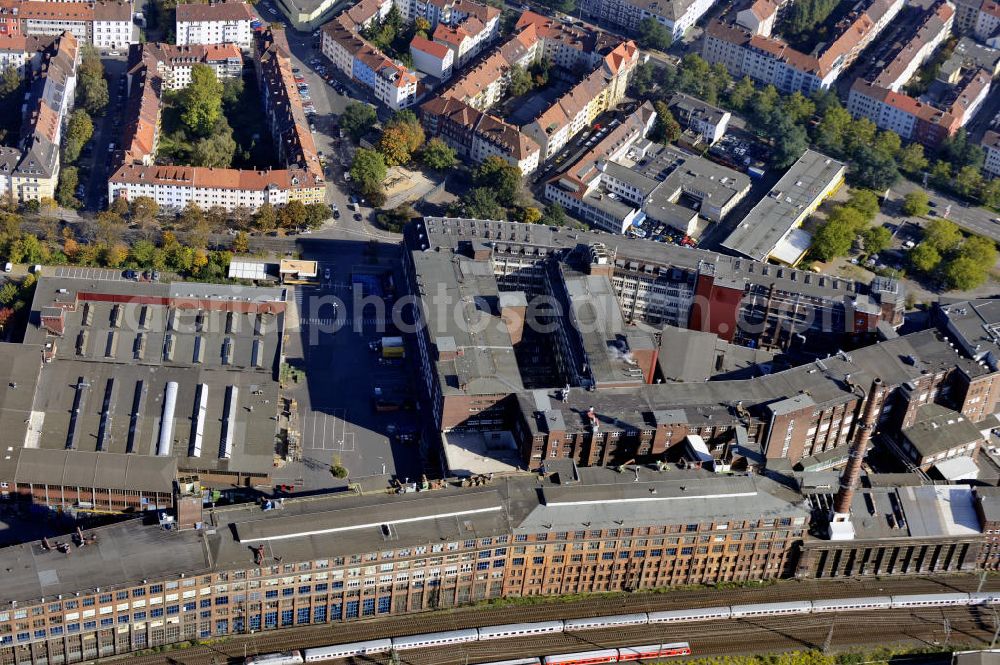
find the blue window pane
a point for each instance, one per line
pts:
(302, 615)
(384, 603)
(319, 614)
(369, 607)
(352, 609)
(273, 593)
(271, 620)
(335, 611)
(255, 622)
(222, 626)
(286, 617)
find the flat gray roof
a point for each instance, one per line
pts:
(939, 429)
(123, 342)
(766, 225)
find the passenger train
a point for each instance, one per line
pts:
(623, 654)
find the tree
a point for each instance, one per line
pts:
(501, 177)
(989, 193)
(201, 101)
(911, 159)
(368, 171)
(115, 255)
(316, 214)
(798, 108)
(916, 204)
(832, 128)
(66, 190)
(859, 135)
(119, 206)
(964, 273)
(357, 119)
(865, 202)
(654, 35)
(942, 235)
(553, 215)
(92, 88)
(216, 150)
(967, 181)
(667, 129)
(144, 209)
(438, 155)
(78, 132)
(481, 203)
(888, 143)
(395, 145)
(11, 81)
(876, 239)
(142, 253)
(981, 250)
(741, 94)
(266, 218)
(241, 242)
(109, 227)
(643, 81)
(925, 257)
(8, 293)
(960, 151)
(520, 81)
(790, 143)
(874, 170)
(292, 215)
(763, 103)
(833, 239)
(232, 89)
(530, 215)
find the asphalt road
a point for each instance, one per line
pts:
(971, 218)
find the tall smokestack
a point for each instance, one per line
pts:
(840, 526)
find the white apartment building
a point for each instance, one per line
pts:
(225, 22)
(106, 25)
(678, 16)
(991, 145)
(174, 63)
(173, 187)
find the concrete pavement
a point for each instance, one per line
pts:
(970, 218)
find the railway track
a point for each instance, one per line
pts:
(233, 650)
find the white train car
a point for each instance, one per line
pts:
(518, 661)
(518, 629)
(320, 654)
(283, 658)
(771, 609)
(583, 658)
(930, 600)
(435, 639)
(697, 614)
(984, 598)
(594, 623)
(853, 604)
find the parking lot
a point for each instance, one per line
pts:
(100, 274)
(354, 405)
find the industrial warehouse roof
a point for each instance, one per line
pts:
(90, 469)
(635, 254)
(766, 225)
(939, 429)
(122, 343)
(323, 527)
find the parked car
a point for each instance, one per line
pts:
(130, 274)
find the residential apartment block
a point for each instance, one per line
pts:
(991, 146)
(106, 24)
(173, 63)
(917, 120)
(219, 23)
(626, 179)
(878, 96)
(608, 61)
(677, 16)
(391, 82)
(30, 170)
(172, 187)
(705, 121)
(747, 48)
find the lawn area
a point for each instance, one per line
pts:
(254, 145)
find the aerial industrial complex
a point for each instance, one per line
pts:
(652, 381)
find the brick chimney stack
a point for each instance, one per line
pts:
(840, 526)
